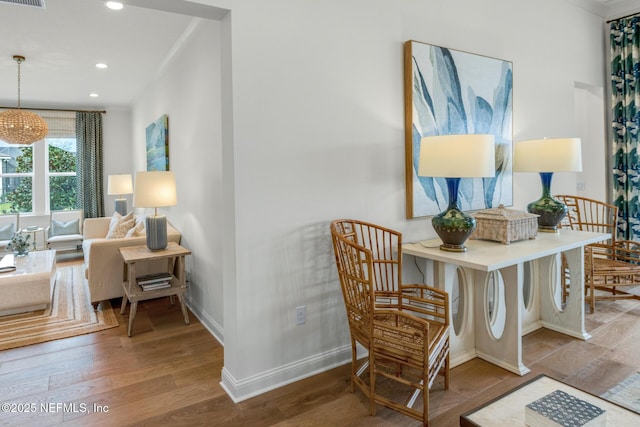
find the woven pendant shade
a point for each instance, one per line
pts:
(20, 126)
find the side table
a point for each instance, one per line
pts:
(174, 254)
(33, 232)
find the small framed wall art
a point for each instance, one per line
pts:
(158, 144)
(450, 92)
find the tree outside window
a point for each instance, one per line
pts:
(18, 175)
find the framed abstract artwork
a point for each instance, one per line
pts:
(158, 144)
(449, 92)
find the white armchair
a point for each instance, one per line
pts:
(65, 230)
(9, 224)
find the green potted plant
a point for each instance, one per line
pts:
(19, 244)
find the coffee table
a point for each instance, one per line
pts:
(30, 286)
(508, 410)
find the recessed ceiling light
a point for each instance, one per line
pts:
(93, 95)
(101, 65)
(114, 5)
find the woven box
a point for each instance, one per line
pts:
(505, 225)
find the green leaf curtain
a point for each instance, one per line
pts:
(90, 163)
(625, 90)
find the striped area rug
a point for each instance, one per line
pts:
(70, 314)
(627, 393)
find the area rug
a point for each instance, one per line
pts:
(70, 314)
(627, 393)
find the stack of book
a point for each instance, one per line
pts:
(150, 282)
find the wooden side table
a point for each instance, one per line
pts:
(174, 254)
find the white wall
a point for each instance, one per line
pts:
(317, 134)
(308, 127)
(116, 126)
(592, 182)
(188, 91)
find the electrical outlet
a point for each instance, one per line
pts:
(301, 315)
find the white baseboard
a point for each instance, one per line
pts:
(239, 390)
(243, 389)
(207, 321)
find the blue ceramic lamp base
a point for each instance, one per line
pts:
(156, 232)
(550, 210)
(121, 206)
(453, 226)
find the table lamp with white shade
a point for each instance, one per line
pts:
(155, 189)
(120, 185)
(546, 156)
(453, 157)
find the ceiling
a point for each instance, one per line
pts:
(63, 42)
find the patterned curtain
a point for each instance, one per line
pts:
(625, 89)
(89, 165)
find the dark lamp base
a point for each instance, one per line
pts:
(548, 228)
(453, 248)
(550, 211)
(453, 226)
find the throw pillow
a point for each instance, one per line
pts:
(6, 232)
(116, 218)
(60, 228)
(137, 230)
(120, 229)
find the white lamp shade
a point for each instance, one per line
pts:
(155, 189)
(119, 184)
(457, 156)
(548, 155)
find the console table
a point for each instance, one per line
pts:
(493, 311)
(174, 254)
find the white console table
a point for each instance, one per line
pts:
(492, 327)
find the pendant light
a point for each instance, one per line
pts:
(20, 126)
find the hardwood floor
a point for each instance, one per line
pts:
(168, 373)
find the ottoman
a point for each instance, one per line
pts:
(30, 286)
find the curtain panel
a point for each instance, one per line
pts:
(625, 90)
(90, 163)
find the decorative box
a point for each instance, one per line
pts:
(504, 225)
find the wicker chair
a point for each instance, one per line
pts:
(609, 265)
(405, 328)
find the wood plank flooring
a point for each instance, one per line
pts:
(168, 373)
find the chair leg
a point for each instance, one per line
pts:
(446, 373)
(354, 365)
(372, 384)
(425, 409)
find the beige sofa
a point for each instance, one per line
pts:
(103, 266)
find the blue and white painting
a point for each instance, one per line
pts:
(157, 134)
(451, 92)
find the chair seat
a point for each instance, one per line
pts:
(602, 266)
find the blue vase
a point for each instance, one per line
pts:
(453, 226)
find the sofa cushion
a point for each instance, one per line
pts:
(61, 228)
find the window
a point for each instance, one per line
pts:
(41, 177)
